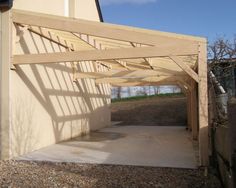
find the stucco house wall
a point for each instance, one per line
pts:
(46, 105)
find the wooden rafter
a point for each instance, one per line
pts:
(99, 48)
(104, 30)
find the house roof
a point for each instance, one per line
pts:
(99, 10)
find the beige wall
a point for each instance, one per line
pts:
(46, 105)
(84, 9)
(55, 7)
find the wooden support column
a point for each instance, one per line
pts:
(5, 62)
(189, 111)
(186, 91)
(194, 113)
(203, 105)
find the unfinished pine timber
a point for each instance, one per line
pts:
(187, 90)
(189, 111)
(185, 67)
(5, 63)
(194, 113)
(102, 55)
(131, 64)
(203, 105)
(117, 32)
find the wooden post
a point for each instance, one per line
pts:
(189, 110)
(5, 63)
(194, 107)
(188, 101)
(203, 105)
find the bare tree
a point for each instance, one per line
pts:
(119, 92)
(221, 49)
(222, 60)
(156, 89)
(116, 92)
(129, 91)
(145, 90)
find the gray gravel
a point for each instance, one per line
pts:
(48, 174)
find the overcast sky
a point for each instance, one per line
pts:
(207, 18)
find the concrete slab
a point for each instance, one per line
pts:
(125, 145)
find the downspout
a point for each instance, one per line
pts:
(217, 83)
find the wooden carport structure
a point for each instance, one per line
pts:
(132, 56)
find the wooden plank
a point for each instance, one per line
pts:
(145, 59)
(186, 84)
(187, 91)
(136, 73)
(189, 111)
(5, 63)
(128, 84)
(150, 80)
(117, 32)
(101, 55)
(194, 113)
(47, 35)
(203, 105)
(94, 45)
(185, 67)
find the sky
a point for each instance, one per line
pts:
(206, 18)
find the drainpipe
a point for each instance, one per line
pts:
(219, 86)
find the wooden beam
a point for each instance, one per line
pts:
(137, 66)
(185, 67)
(188, 103)
(99, 48)
(122, 33)
(203, 105)
(189, 114)
(5, 63)
(100, 55)
(183, 87)
(194, 108)
(137, 73)
(123, 64)
(185, 84)
(150, 80)
(128, 84)
(145, 59)
(46, 34)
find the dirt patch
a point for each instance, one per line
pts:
(160, 111)
(46, 174)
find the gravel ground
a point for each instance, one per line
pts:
(48, 174)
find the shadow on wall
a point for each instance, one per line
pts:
(45, 101)
(22, 132)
